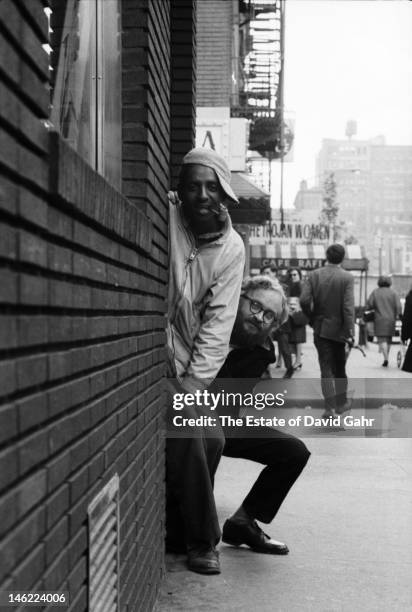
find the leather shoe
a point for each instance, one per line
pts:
(347, 406)
(237, 533)
(289, 373)
(204, 560)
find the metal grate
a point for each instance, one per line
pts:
(104, 566)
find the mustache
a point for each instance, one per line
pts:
(258, 324)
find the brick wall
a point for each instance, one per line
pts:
(183, 84)
(83, 276)
(146, 179)
(214, 52)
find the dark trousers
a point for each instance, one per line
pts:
(332, 361)
(191, 464)
(284, 348)
(191, 516)
(284, 457)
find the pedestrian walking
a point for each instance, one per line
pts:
(281, 334)
(294, 282)
(297, 335)
(269, 270)
(385, 303)
(327, 299)
(406, 332)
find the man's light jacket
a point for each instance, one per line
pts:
(204, 289)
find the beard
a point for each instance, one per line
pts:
(246, 333)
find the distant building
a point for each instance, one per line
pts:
(391, 204)
(309, 199)
(374, 192)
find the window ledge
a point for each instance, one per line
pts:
(82, 188)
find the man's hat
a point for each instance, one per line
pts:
(211, 159)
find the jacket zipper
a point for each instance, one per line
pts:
(192, 256)
(190, 259)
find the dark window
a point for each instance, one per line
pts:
(86, 94)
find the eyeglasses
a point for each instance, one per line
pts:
(256, 307)
(294, 274)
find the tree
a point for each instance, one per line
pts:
(351, 239)
(339, 230)
(330, 210)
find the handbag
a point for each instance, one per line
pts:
(369, 315)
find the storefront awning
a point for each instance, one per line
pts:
(254, 203)
(304, 256)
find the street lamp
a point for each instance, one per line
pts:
(379, 244)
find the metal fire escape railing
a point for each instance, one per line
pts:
(261, 59)
(261, 97)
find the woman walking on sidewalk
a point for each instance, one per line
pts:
(387, 306)
(297, 335)
(298, 320)
(295, 282)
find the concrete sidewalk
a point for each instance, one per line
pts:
(357, 365)
(372, 385)
(347, 522)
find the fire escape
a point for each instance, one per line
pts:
(260, 73)
(259, 59)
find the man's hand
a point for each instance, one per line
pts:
(350, 341)
(173, 197)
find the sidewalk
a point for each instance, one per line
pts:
(357, 365)
(347, 522)
(367, 378)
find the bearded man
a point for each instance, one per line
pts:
(262, 309)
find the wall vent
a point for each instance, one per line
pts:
(104, 565)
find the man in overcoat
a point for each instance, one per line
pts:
(327, 299)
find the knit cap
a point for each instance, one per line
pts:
(211, 159)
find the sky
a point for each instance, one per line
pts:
(344, 59)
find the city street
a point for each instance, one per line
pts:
(346, 522)
(154, 154)
(357, 365)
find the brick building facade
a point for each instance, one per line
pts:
(82, 305)
(215, 50)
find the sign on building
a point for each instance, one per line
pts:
(295, 232)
